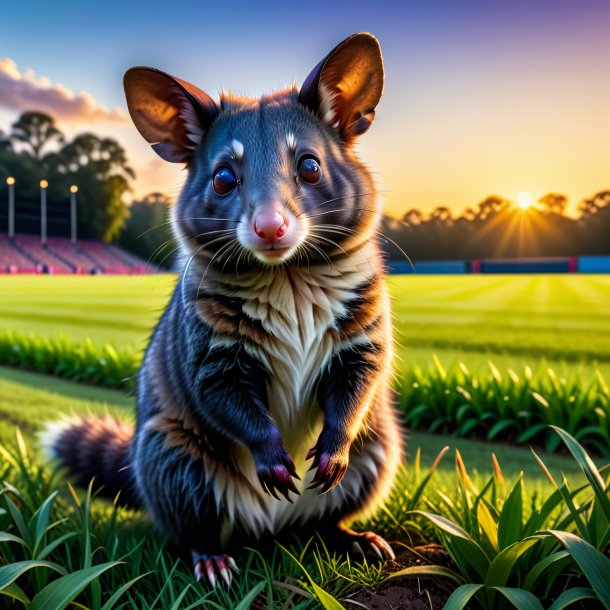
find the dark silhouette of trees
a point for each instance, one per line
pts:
(34, 130)
(147, 231)
(98, 166)
(494, 228)
(554, 203)
(498, 228)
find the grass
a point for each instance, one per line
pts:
(108, 548)
(561, 318)
(28, 400)
(517, 321)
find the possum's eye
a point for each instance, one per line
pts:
(309, 169)
(224, 180)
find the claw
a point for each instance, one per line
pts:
(374, 544)
(387, 548)
(226, 576)
(377, 551)
(214, 567)
(209, 568)
(278, 480)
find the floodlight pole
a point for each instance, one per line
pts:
(43, 211)
(10, 182)
(73, 191)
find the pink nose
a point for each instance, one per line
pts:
(270, 225)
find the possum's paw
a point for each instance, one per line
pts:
(276, 474)
(370, 543)
(331, 468)
(213, 568)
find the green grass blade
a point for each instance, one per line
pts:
(445, 524)
(569, 597)
(594, 565)
(461, 596)
(59, 593)
(588, 467)
(54, 544)
(327, 601)
(563, 557)
(521, 599)
(176, 604)
(511, 517)
(41, 518)
(502, 565)
(122, 590)
(426, 571)
(249, 598)
(6, 537)
(13, 571)
(16, 592)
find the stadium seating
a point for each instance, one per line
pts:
(13, 261)
(70, 254)
(31, 246)
(25, 254)
(112, 259)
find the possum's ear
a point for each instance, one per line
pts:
(345, 87)
(171, 114)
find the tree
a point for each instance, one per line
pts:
(592, 205)
(441, 214)
(34, 130)
(413, 217)
(554, 203)
(5, 143)
(491, 205)
(147, 232)
(99, 167)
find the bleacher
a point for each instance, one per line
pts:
(13, 261)
(30, 246)
(25, 254)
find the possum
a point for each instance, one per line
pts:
(263, 401)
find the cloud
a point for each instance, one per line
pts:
(25, 91)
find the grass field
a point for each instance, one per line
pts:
(28, 400)
(516, 319)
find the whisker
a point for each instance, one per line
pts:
(175, 221)
(330, 241)
(375, 192)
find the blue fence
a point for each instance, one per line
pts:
(594, 264)
(429, 267)
(582, 264)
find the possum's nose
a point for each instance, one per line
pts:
(270, 226)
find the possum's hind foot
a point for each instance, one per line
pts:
(364, 543)
(213, 568)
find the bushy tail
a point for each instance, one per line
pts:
(94, 448)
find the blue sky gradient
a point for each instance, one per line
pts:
(480, 97)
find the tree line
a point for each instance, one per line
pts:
(498, 228)
(495, 228)
(35, 149)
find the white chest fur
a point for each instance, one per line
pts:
(296, 307)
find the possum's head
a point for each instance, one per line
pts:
(275, 178)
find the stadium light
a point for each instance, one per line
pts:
(73, 191)
(10, 182)
(43, 211)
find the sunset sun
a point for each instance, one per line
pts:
(524, 200)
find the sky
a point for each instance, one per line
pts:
(480, 97)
